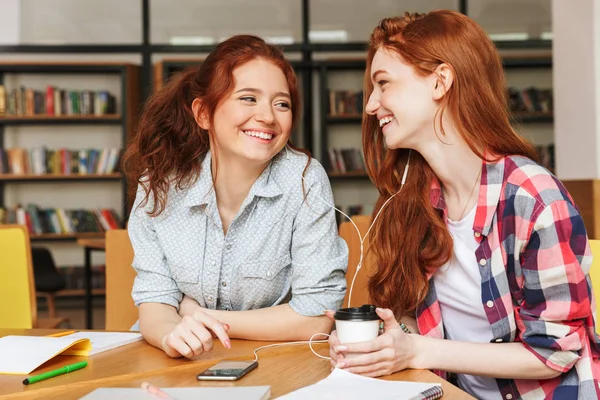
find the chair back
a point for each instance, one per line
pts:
(18, 307)
(595, 276)
(360, 292)
(121, 312)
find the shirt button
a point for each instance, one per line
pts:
(509, 396)
(477, 234)
(228, 247)
(213, 262)
(209, 298)
(482, 262)
(269, 273)
(490, 304)
(224, 283)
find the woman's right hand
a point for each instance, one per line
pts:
(193, 336)
(333, 341)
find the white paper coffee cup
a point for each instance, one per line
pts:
(358, 324)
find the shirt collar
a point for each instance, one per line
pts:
(492, 177)
(265, 186)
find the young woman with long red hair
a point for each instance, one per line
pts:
(230, 235)
(482, 245)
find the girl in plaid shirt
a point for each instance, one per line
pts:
(483, 246)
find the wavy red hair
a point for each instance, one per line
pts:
(169, 145)
(410, 237)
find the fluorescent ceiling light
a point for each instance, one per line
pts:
(328, 36)
(279, 39)
(509, 36)
(191, 40)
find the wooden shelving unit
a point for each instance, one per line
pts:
(125, 117)
(57, 178)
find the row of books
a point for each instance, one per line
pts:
(75, 276)
(530, 100)
(41, 160)
(345, 102)
(54, 101)
(61, 221)
(346, 160)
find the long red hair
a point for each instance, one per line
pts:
(169, 145)
(410, 237)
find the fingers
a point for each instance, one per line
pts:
(373, 370)
(389, 321)
(329, 314)
(215, 326)
(364, 360)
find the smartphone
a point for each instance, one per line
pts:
(227, 371)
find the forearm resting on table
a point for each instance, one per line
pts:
(156, 321)
(277, 323)
(496, 360)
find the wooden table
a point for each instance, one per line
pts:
(90, 245)
(285, 369)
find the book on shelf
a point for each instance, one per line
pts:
(60, 221)
(530, 100)
(345, 102)
(352, 210)
(53, 101)
(41, 160)
(343, 160)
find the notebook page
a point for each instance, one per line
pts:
(23, 354)
(345, 385)
(103, 341)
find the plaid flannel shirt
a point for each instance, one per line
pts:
(534, 260)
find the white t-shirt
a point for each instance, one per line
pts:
(458, 289)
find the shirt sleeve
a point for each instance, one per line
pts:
(319, 254)
(557, 301)
(153, 283)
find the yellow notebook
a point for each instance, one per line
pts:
(23, 354)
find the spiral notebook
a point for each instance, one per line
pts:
(345, 385)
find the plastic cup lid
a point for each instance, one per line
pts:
(363, 313)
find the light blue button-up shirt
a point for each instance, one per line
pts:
(280, 246)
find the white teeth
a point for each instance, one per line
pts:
(262, 135)
(385, 120)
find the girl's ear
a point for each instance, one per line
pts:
(200, 114)
(443, 77)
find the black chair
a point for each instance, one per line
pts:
(48, 280)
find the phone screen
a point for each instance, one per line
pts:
(227, 370)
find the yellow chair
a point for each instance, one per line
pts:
(18, 306)
(121, 312)
(595, 276)
(360, 291)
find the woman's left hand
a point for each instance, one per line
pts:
(392, 351)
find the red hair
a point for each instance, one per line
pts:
(410, 238)
(169, 145)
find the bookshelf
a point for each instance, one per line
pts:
(124, 119)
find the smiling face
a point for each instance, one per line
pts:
(255, 120)
(403, 102)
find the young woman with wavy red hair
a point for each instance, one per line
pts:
(482, 245)
(230, 235)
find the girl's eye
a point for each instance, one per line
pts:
(381, 83)
(284, 105)
(248, 99)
